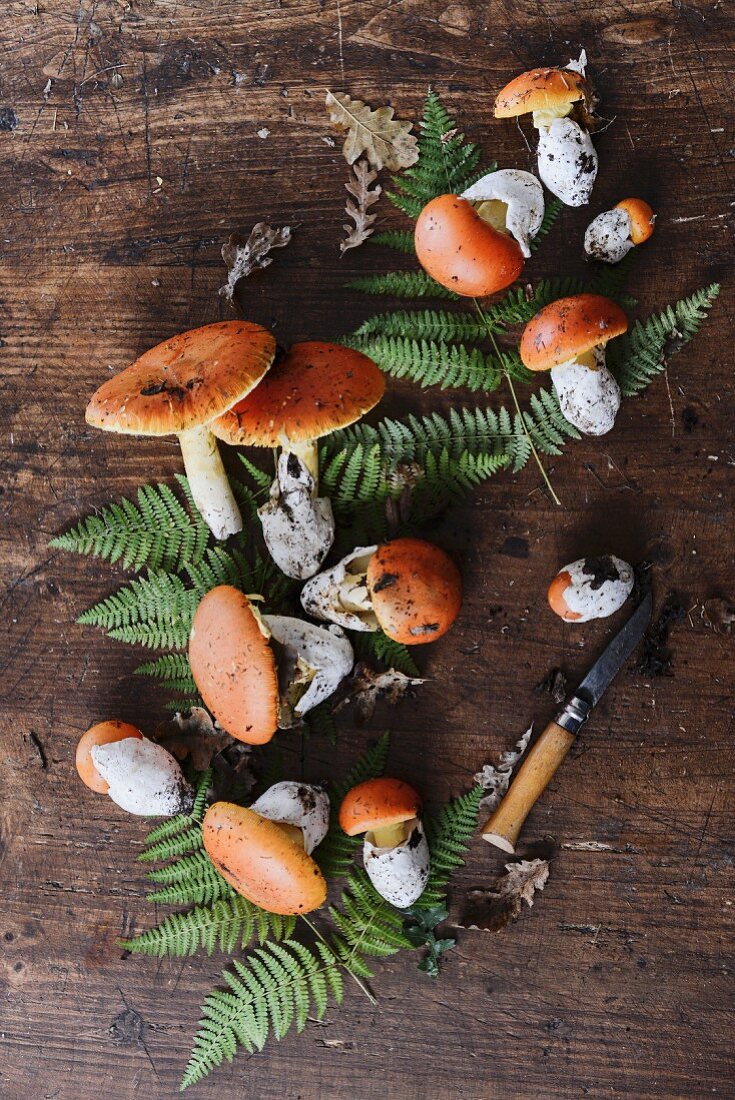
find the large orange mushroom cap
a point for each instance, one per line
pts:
(378, 803)
(569, 327)
(314, 389)
(540, 90)
(233, 666)
(104, 733)
(184, 382)
(462, 252)
(415, 590)
(642, 218)
(260, 860)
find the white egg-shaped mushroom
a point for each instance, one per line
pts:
(589, 396)
(399, 874)
(298, 526)
(608, 236)
(567, 161)
(511, 200)
(340, 594)
(143, 778)
(302, 805)
(591, 588)
(316, 656)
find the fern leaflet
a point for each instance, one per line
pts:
(228, 925)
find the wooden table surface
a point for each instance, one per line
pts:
(116, 196)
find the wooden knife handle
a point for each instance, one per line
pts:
(531, 779)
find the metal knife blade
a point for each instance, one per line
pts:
(606, 668)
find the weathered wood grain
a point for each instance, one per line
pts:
(131, 151)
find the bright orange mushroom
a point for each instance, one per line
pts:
(379, 806)
(543, 89)
(262, 860)
(642, 218)
(415, 590)
(568, 328)
(104, 733)
(462, 251)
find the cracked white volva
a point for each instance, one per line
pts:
(608, 236)
(589, 397)
(567, 161)
(301, 804)
(324, 649)
(340, 595)
(399, 874)
(143, 778)
(522, 195)
(590, 602)
(298, 526)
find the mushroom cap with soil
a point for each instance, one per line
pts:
(590, 588)
(613, 233)
(541, 89)
(103, 733)
(262, 860)
(462, 251)
(178, 388)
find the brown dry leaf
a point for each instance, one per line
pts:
(495, 778)
(194, 736)
(493, 910)
(358, 186)
(387, 142)
(242, 257)
(368, 687)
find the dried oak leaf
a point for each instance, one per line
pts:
(194, 736)
(495, 778)
(493, 910)
(368, 687)
(387, 142)
(358, 186)
(244, 256)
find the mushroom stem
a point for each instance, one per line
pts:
(389, 836)
(308, 452)
(208, 482)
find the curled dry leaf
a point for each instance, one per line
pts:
(719, 614)
(387, 142)
(244, 256)
(496, 778)
(358, 186)
(368, 687)
(493, 910)
(194, 736)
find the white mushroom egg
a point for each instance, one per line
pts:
(608, 236)
(567, 161)
(301, 804)
(399, 874)
(298, 526)
(591, 588)
(340, 594)
(143, 778)
(323, 652)
(589, 396)
(515, 199)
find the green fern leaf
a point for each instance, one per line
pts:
(436, 363)
(157, 532)
(378, 647)
(400, 240)
(227, 925)
(423, 324)
(155, 611)
(402, 284)
(191, 880)
(552, 211)
(449, 833)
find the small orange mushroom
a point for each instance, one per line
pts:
(381, 806)
(462, 251)
(613, 233)
(233, 665)
(642, 218)
(262, 860)
(104, 733)
(542, 89)
(569, 327)
(558, 587)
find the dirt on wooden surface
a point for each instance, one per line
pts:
(135, 137)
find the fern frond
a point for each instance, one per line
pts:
(277, 987)
(423, 324)
(173, 669)
(400, 240)
(552, 211)
(320, 722)
(638, 357)
(378, 647)
(402, 284)
(182, 843)
(436, 363)
(157, 532)
(155, 611)
(182, 822)
(261, 478)
(191, 880)
(449, 833)
(227, 925)
(447, 164)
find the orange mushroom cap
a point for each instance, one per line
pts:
(185, 381)
(104, 733)
(415, 590)
(377, 803)
(260, 860)
(555, 596)
(233, 666)
(642, 218)
(540, 90)
(462, 252)
(314, 389)
(569, 327)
